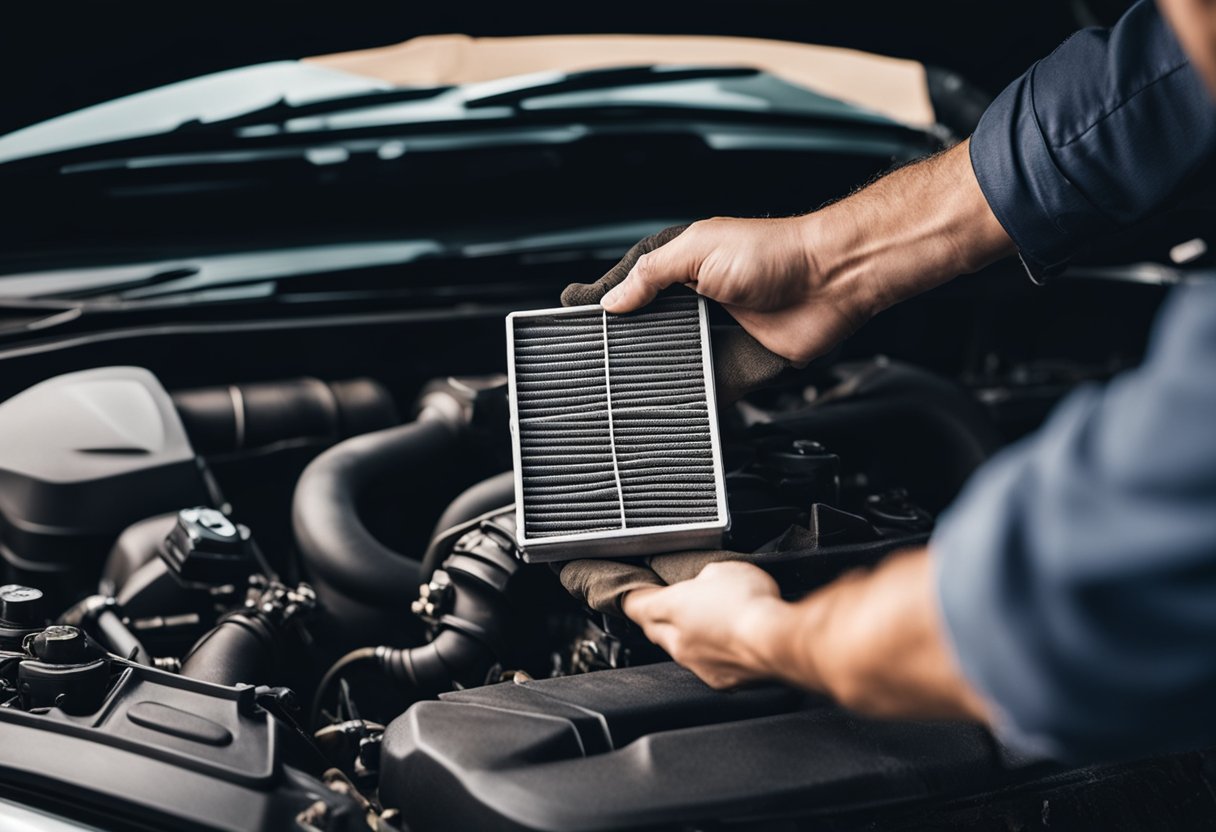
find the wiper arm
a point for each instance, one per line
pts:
(605, 79)
(283, 110)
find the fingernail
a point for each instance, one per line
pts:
(612, 297)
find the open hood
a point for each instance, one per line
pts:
(851, 83)
(65, 60)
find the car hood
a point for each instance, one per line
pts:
(891, 89)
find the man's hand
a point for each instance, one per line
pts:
(720, 625)
(763, 271)
(800, 284)
(872, 639)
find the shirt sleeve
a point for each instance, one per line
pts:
(1077, 571)
(1093, 137)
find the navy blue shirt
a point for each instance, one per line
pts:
(1094, 137)
(1077, 571)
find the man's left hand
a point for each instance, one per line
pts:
(720, 625)
(873, 638)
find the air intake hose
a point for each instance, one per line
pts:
(246, 645)
(337, 547)
(238, 417)
(466, 604)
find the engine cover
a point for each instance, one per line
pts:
(82, 456)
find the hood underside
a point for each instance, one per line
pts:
(892, 87)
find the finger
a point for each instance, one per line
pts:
(663, 635)
(654, 272)
(581, 294)
(658, 607)
(636, 606)
(717, 678)
(728, 567)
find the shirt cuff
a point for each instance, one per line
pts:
(1039, 208)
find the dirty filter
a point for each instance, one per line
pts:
(614, 431)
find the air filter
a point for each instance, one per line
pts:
(615, 433)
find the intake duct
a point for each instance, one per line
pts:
(239, 417)
(615, 437)
(471, 606)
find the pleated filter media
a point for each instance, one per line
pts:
(615, 433)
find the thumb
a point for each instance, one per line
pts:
(667, 265)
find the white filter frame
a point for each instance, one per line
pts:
(625, 542)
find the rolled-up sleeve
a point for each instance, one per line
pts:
(1077, 571)
(1093, 137)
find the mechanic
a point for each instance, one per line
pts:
(1068, 598)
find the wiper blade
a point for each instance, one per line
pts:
(475, 97)
(283, 110)
(605, 79)
(28, 315)
(520, 88)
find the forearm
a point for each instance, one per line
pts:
(914, 229)
(874, 641)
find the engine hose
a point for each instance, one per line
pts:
(240, 417)
(120, 640)
(441, 544)
(452, 659)
(98, 615)
(337, 547)
(246, 645)
(467, 604)
(354, 657)
(240, 650)
(487, 495)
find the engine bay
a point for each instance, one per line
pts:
(302, 600)
(276, 553)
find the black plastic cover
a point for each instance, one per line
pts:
(82, 456)
(169, 752)
(653, 746)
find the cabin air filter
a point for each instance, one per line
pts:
(615, 432)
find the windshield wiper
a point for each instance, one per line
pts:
(283, 110)
(734, 90)
(22, 315)
(719, 90)
(607, 79)
(498, 93)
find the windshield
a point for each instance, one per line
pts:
(360, 173)
(441, 75)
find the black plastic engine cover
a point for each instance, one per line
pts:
(652, 746)
(82, 456)
(168, 752)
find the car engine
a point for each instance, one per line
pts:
(384, 655)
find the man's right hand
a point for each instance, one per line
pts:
(799, 285)
(763, 271)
